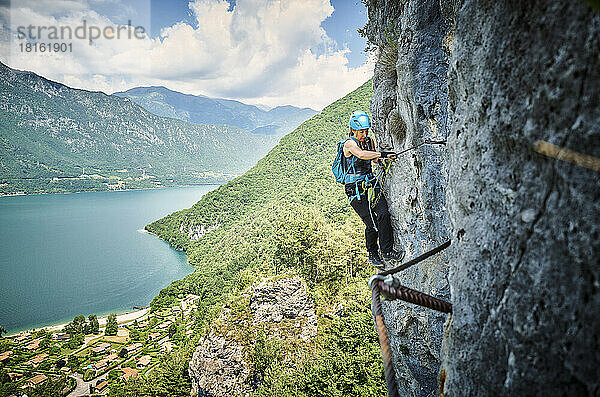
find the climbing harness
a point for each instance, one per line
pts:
(385, 166)
(386, 283)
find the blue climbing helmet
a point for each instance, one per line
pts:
(359, 120)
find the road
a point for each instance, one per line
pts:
(82, 387)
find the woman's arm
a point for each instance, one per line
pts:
(351, 147)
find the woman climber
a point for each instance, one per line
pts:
(363, 189)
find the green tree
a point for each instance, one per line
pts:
(75, 341)
(134, 334)
(111, 325)
(94, 325)
(5, 344)
(89, 375)
(60, 363)
(73, 362)
(171, 377)
(114, 375)
(45, 366)
(2, 331)
(44, 343)
(172, 330)
(77, 326)
(6, 385)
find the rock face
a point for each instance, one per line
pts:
(219, 366)
(493, 78)
(274, 301)
(525, 275)
(409, 107)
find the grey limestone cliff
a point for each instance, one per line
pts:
(522, 271)
(409, 107)
(525, 274)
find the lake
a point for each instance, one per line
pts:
(85, 253)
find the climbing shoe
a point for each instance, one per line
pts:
(393, 255)
(375, 260)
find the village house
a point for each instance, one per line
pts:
(100, 366)
(153, 336)
(143, 324)
(5, 356)
(15, 376)
(104, 363)
(129, 372)
(164, 325)
(33, 345)
(36, 380)
(176, 310)
(58, 336)
(21, 337)
(101, 348)
(37, 360)
(111, 357)
(191, 298)
(133, 348)
(143, 362)
(101, 386)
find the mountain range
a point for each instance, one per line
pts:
(205, 110)
(54, 138)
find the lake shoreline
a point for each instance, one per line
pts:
(20, 194)
(122, 318)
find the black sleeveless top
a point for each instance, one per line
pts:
(362, 167)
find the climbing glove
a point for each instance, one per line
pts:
(388, 154)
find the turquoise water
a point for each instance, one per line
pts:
(69, 254)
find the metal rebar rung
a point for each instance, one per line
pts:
(418, 259)
(413, 296)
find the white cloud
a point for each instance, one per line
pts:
(259, 52)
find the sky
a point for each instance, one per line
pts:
(268, 52)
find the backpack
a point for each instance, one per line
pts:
(339, 165)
